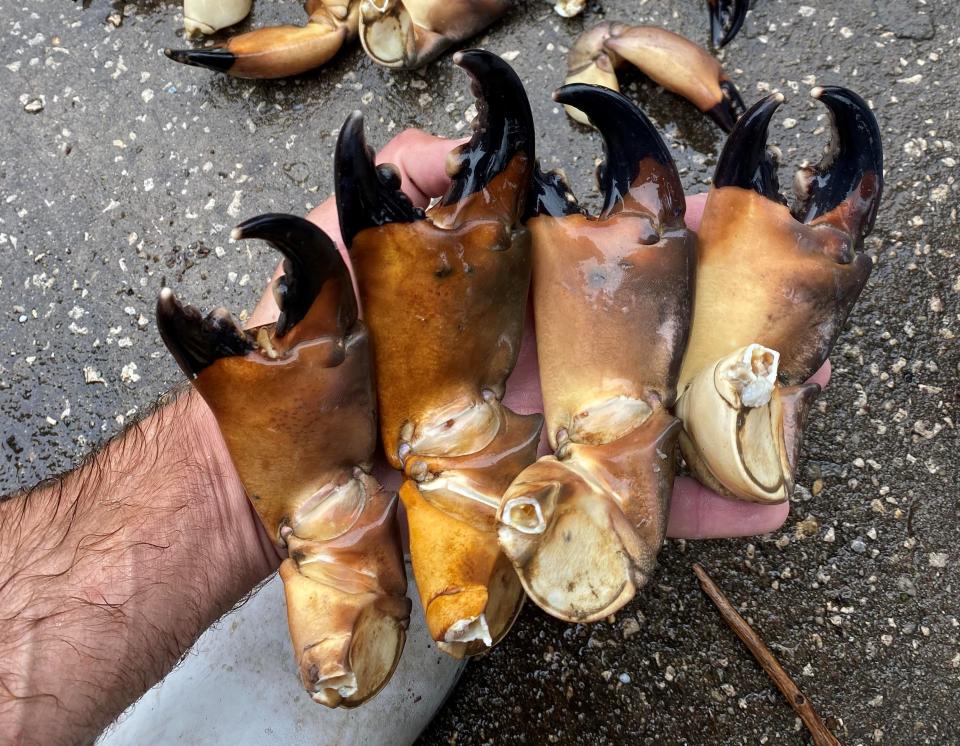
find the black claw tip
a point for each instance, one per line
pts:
(367, 195)
(629, 139)
(310, 259)
(197, 342)
(726, 19)
(729, 109)
(745, 161)
(214, 58)
(853, 163)
(503, 127)
(550, 195)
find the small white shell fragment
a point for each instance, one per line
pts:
(209, 16)
(468, 630)
(569, 8)
(92, 375)
(755, 375)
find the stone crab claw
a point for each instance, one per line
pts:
(726, 19)
(280, 51)
(410, 33)
(295, 403)
(612, 302)
(774, 279)
(668, 59)
(444, 292)
(209, 16)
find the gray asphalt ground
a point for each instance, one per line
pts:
(120, 170)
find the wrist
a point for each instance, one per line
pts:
(235, 535)
(110, 573)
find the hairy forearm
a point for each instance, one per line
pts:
(109, 574)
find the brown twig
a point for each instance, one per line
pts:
(797, 699)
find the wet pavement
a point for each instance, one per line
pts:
(120, 171)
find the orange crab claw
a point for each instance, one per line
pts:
(280, 51)
(410, 33)
(777, 279)
(667, 58)
(444, 293)
(295, 403)
(612, 305)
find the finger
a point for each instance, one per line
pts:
(422, 160)
(698, 513)
(694, 213)
(324, 216)
(523, 393)
(822, 376)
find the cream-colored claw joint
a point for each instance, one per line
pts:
(525, 515)
(742, 430)
(203, 17)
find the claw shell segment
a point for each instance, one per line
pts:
(444, 293)
(612, 307)
(196, 341)
(315, 276)
(845, 187)
(742, 431)
(295, 404)
(367, 196)
(637, 171)
(795, 275)
(584, 530)
(502, 144)
(668, 59)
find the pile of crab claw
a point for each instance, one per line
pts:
(653, 342)
(398, 34)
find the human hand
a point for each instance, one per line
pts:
(696, 512)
